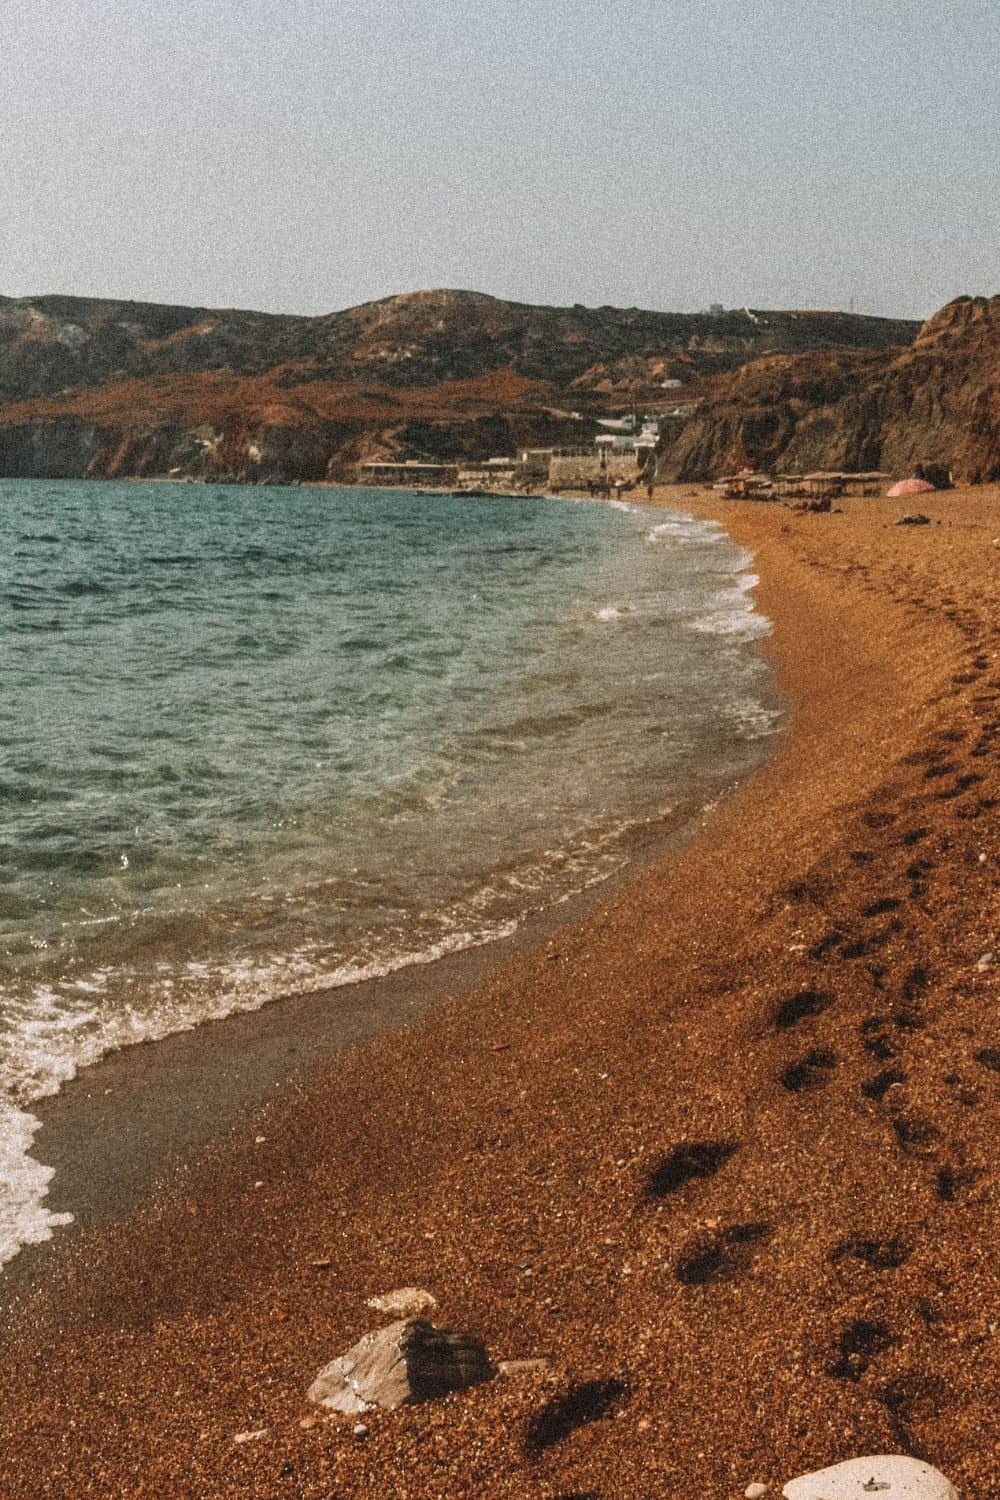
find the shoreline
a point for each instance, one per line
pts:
(110, 1131)
(500, 1149)
(146, 1097)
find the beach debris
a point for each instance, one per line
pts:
(402, 1364)
(253, 1436)
(913, 518)
(890, 1476)
(755, 1491)
(517, 1367)
(986, 962)
(404, 1302)
(360, 1431)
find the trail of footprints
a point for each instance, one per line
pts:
(949, 775)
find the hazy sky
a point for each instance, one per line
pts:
(306, 155)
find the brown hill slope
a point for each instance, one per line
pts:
(109, 388)
(936, 402)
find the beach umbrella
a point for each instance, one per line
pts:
(909, 487)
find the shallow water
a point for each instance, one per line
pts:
(262, 740)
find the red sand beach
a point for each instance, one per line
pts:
(801, 1003)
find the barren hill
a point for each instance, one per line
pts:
(111, 388)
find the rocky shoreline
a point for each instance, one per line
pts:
(718, 1160)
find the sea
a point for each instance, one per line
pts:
(264, 740)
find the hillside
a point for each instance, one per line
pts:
(935, 402)
(110, 388)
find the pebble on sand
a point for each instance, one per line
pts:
(404, 1302)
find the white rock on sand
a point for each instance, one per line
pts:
(404, 1302)
(884, 1476)
(401, 1364)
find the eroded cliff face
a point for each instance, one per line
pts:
(942, 396)
(935, 402)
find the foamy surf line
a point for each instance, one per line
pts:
(25, 1182)
(54, 1045)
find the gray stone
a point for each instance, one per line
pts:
(404, 1302)
(885, 1476)
(402, 1364)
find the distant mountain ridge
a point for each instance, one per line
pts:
(107, 388)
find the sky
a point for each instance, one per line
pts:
(307, 155)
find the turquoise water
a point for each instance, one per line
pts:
(262, 740)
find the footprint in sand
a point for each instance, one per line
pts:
(915, 1133)
(880, 1255)
(691, 1161)
(881, 906)
(720, 1254)
(858, 1344)
(587, 1401)
(951, 1181)
(876, 1088)
(798, 1007)
(813, 1071)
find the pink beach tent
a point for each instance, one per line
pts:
(909, 487)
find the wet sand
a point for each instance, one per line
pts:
(801, 993)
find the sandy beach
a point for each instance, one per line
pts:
(805, 993)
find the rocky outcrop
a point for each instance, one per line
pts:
(53, 448)
(934, 403)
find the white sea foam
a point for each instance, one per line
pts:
(678, 528)
(24, 1183)
(50, 1037)
(734, 613)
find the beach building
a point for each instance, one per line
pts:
(494, 474)
(409, 472)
